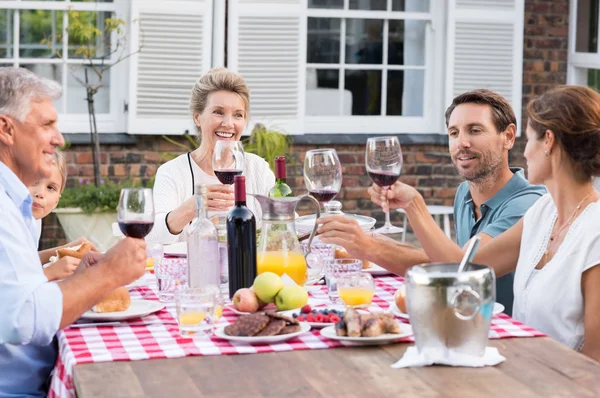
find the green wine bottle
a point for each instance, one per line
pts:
(280, 189)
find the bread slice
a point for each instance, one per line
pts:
(340, 252)
(73, 252)
(116, 301)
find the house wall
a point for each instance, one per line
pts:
(427, 165)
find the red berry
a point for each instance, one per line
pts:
(334, 318)
(310, 318)
(301, 318)
(319, 318)
(326, 318)
(306, 309)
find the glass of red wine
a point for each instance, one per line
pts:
(322, 174)
(383, 159)
(135, 213)
(228, 160)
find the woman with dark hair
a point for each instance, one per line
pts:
(555, 247)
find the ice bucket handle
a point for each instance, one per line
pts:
(466, 303)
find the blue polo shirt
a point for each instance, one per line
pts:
(498, 214)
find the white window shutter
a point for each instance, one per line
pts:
(176, 36)
(266, 44)
(485, 48)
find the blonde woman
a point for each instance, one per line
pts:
(220, 105)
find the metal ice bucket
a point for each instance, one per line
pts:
(448, 310)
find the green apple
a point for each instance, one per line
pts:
(266, 286)
(291, 297)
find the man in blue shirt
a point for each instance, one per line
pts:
(32, 309)
(481, 129)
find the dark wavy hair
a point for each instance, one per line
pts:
(572, 113)
(502, 113)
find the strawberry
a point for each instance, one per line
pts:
(301, 318)
(319, 318)
(306, 309)
(326, 318)
(310, 318)
(334, 318)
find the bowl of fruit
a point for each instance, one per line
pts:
(317, 317)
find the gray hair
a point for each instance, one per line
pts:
(18, 86)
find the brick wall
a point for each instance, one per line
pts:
(428, 167)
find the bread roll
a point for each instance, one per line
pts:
(340, 252)
(72, 252)
(117, 300)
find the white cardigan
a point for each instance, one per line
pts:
(173, 186)
(550, 299)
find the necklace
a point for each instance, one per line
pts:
(567, 224)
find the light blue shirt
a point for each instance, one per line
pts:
(30, 306)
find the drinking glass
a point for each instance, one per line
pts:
(356, 290)
(155, 255)
(195, 311)
(228, 160)
(336, 268)
(171, 275)
(315, 261)
(135, 213)
(322, 174)
(383, 160)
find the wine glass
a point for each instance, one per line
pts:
(323, 174)
(228, 160)
(383, 160)
(135, 213)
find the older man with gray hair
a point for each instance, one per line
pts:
(33, 310)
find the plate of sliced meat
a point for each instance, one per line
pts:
(262, 328)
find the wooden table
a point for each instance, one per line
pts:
(535, 367)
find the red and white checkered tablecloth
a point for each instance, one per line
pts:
(130, 343)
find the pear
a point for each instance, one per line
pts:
(291, 297)
(266, 286)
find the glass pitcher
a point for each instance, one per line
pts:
(279, 250)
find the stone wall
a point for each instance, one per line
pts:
(427, 166)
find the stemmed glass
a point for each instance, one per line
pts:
(322, 174)
(383, 160)
(228, 160)
(135, 213)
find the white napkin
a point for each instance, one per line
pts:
(412, 358)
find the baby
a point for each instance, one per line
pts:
(46, 194)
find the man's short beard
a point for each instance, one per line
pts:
(482, 176)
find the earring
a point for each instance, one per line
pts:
(546, 153)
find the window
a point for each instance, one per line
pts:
(368, 58)
(32, 36)
(584, 54)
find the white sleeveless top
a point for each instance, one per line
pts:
(551, 300)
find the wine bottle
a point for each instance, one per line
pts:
(281, 188)
(241, 240)
(202, 245)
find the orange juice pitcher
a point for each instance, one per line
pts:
(279, 250)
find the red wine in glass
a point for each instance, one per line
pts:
(136, 229)
(384, 178)
(226, 176)
(323, 195)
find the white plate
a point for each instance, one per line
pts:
(176, 249)
(137, 309)
(498, 308)
(387, 338)
(305, 224)
(220, 332)
(376, 270)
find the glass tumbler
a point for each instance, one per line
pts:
(195, 311)
(356, 290)
(315, 261)
(336, 268)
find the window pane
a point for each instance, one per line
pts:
(405, 90)
(49, 71)
(6, 34)
(364, 41)
(76, 98)
(410, 5)
(323, 44)
(365, 86)
(593, 78)
(323, 96)
(376, 5)
(325, 3)
(80, 24)
(587, 26)
(37, 25)
(406, 42)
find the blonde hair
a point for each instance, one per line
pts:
(59, 160)
(218, 79)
